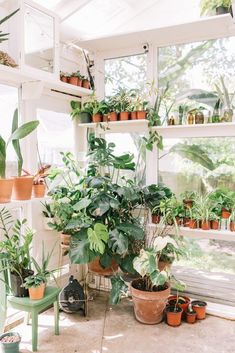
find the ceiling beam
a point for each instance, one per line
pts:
(66, 9)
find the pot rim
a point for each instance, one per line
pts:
(196, 303)
(13, 333)
(178, 308)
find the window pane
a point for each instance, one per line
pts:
(8, 104)
(128, 72)
(55, 135)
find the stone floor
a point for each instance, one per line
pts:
(114, 330)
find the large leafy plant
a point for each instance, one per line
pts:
(18, 133)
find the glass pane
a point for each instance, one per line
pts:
(39, 39)
(8, 104)
(55, 135)
(127, 72)
(201, 77)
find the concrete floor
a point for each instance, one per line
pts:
(114, 330)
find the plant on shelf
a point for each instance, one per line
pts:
(203, 207)
(76, 78)
(217, 7)
(122, 103)
(224, 201)
(139, 104)
(37, 282)
(39, 184)
(81, 112)
(5, 59)
(86, 82)
(17, 239)
(6, 184)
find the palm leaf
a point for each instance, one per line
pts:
(2, 158)
(9, 16)
(24, 130)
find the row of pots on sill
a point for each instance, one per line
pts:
(20, 188)
(76, 81)
(122, 116)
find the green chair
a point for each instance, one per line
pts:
(32, 307)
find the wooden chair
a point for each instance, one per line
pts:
(32, 307)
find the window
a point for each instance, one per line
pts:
(8, 104)
(127, 72)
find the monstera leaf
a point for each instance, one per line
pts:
(98, 237)
(133, 230)
(119, 288)
(81, 254)
(118, 242)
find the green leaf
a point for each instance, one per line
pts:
(119, 288)
(118, 242)
(24, 130)
(133, 230)
(9, 16)
(126, 263)
(80, 205)
(106, 260)
(81, 254)
(98, 237)
(2, 158)
(16, 143)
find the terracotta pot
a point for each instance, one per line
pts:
(141, 114)
(86, 84)
(124, 116)
(96, 118)
(191, 317)
(64, 79)
(156, 218)
(173, 298)
(188, 203)
(200, 308)
(186, 222)
(148, 306)
(6, 186)
(133, 115)
(225, 213)
(79, 82)
(112, 116)
(22, 188)
(65, 239)
(192, 224)
(179, 221)
(39, 190)
(95, 267)
(174, 316)
(232, 226)
(215, 225)
(73, 80)
(36, 293)
(163, 265)
(205, 225)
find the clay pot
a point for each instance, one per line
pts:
(200, 308)
(192, 224)
(156, 218)
(225, 213)
(141, 114)
(39, 190)
(205, 225)
(22, 188)
(173, 298)
(96, 118)
(36, 293)
(232, 226)
(174, 316)
(133, 115)
(112, 116)
(6, 186)
(163, 265)
(73, 80)
(191, 317)
(188, 203)
(148, 306)
(79, 82)
(65, 239)
(124, 116)
(95, 267)
(215, 225)
(186, 222)
(64, 79)
(86, 84)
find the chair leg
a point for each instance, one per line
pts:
(56, 316)
(34, 330)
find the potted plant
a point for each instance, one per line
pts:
(36, 283)
(86, 83)
(223, 198)
(98, 109)
(64, 77)
(204, 206)
(138, 105)
(174, 310)
(179, 300)
(112, 113)
(215, 219)
(199, 307)
(83, 113)
(188, 198)
(192, 223)
(218, 7)
(191, 315)
(17, 239)
(10, 342)
(122, 103)
(39, 186)
(18, 133)
(76, 78)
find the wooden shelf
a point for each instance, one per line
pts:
(204, 234)
(17, 77)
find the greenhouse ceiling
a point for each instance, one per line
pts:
(89, 19)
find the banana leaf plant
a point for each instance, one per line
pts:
(4, 36)
(18, 133)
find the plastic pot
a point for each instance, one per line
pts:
(141, 114)
(225, 213)
(215, 225)
(84, 118)
(86, 84)
(200, 308)
(64, 79)
(73, 80)
(79, 82)
(10, 347)
(111, 117)
(39, 190)
(96, 118)
(36, 293)
(133, 115)
(22, 188)
(192, 224)
(124, 116)
(6, 186)
(17, 281)
(174, 316)
(232, 226)
(191, 317)
(205, 225)
(173, 298)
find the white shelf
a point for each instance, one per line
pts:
(204, 234)
(118, 126)
(18, 77)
